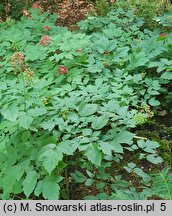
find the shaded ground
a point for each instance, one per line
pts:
(69, 11)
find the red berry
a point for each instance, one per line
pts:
(47, 28)
(62, 70)
(45, 40)
(163, 35)
(35, 5)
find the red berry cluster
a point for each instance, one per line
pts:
(45, 40)
(163, 35)
(35, 5)
(47, 28)
(62, 70)
(28, 74)
(18, 62)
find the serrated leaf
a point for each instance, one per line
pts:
(102, 196)
(87, 109)
(38, 189)
(67, 147)
(166, 75)
(94, 154)
(153, 158)
(25, 121)
(35, 52)
(131, 165)
(37, 112)
(89, 182)
(124, 137)
(148, 146)
(86, 132)
(50, 189)
(142, 174)
(116, 146)
(30, 182)
(10, 178)
(106, 148)
(99, 122)
(100, 185)
(78, 177)
(11, 112)
(48, 125)
(50, 156)
(154, 102)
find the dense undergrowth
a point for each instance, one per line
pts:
(72, 103)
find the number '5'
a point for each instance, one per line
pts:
(163, 206)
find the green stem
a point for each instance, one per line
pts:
(37, 95)
(25, 94)
(67, 182)
(121, 167)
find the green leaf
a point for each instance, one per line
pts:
(33, 52)
(86, 132)
(67, 147)
(37, 112)
(38, 189)
(50, 189)
(25, 121)
(93, 154)
(106, 148)
(142, 174)
(102, 196)
(166, 75)
(116, 146)
(87, 109)
(99, 122)
(30, 182)
(10, 112)
(148, 146)
(131, 165)
(90, 198)
(78, 177)
(49, 125)
(89, 182)
(153, 158)
(10, 178)
(154, 102)
(124, 137)
(50, 155)
(100, 185)
(162, 184)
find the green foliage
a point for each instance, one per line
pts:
(162, 184)
(102, 7)
(13, 8)
(147, 9)
(70, 102)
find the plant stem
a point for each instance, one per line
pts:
(67, 182)
(25, 95)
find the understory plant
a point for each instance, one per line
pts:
(70, 103)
